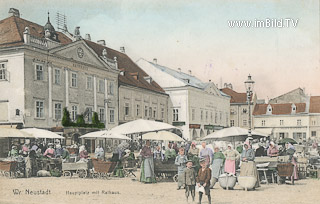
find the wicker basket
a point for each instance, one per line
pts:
(285, 170)
(8, 165)
(103, 167)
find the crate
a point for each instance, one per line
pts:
(103, 167)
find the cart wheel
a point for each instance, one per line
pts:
(7, 174)
(175, 178)
(67, 174)
(95, 175)
(82, 173)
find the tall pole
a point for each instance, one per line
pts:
(248, 99)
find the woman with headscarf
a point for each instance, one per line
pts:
(272, 150)
(217, 166)
(170, 153)
(50, 152)
(231, 156)
(83, 154)
(248, 166)
(206, 153)
(13, 152)
(147, 166)
(193, 154)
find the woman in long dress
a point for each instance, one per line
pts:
(147, 166)
(248, 166)
(217, 166)
(231, 156)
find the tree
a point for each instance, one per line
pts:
(95, 118)
(80, 121)
(66, 121)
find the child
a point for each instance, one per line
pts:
(189, 180)
(203, 179)
(181, 161)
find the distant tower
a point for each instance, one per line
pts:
(49, 31)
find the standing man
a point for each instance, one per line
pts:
(207, 154)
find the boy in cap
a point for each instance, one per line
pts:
(203, 179)
(189, 180)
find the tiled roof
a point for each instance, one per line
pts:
(185, 78)
(314, 104)
(278, 109)
(126, 64)
(12, 28)
(235, 96)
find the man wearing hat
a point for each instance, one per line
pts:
(189, 180)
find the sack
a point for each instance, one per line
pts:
(199, 189)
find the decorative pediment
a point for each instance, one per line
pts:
(212, 89)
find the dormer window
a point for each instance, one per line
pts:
(104, 53)
(269, 109)
(293, 108)
(148, 79)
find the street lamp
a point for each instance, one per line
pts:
(249, 87)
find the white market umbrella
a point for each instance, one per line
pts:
(141, 126)
(41, 133)
(233, 133)
(12, 132)
(104, 135)
(163, 136)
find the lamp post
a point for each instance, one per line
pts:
(249, 87)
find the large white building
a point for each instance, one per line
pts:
(198, 108)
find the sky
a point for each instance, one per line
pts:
(196, 35)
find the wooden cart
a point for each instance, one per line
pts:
(103, 169)
(8, 168)
(79, 169)
(166, 169)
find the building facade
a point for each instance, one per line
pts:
(43, 71)
(299, 121)
(196, 107)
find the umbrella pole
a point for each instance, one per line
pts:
(140, 140)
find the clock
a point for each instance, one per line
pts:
(80, 52)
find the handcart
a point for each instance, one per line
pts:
(166, 169)
(103, 169)
(285, 170)
(81, 169)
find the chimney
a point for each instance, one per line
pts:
(179, 69)
(209, 80)
(101, 42)
(77, 33)
(88, 37)
(189, 71)
(14, 12)
(155, 61)
(122, 49)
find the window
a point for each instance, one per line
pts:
(231, 123)
(3, 71)
(232, 112)
(216, 117)
(111, 88)
(57, 76)
(313, 133)
(313, 122)
(126, 109)
(89, 114)
(101, 86)
(227, 118)
(138, 110)
(111, 116)
(57, 111)
(211, 117)
(74, 80)
(89, 82)
(154, 112)
(193, 114)
(74, 112)
(244, 110)
(162, 113)
(263, 123)
(281, 122)
(207, 115)
(101, 114)
(201, 115)
(39, 72)
(298, 122)
(175, 114)
(244, 122)
(39, 109)
(146, 111)
(150, 112)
